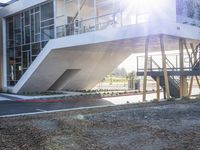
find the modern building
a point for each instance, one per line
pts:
(73, 44)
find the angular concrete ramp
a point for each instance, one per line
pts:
(76, 68)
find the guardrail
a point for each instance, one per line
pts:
(173, 64)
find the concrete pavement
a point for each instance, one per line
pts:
(13, 108)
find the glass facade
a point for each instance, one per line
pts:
(27, 33)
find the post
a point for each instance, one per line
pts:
(198, 82)
(195, 59)
(191, 84)
(188, 53)
(183, 79)
(145, 69)
(164, 66)
(158, 88)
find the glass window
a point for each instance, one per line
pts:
(60, 31)
(47, 23)
(37, 9)
(17, 21)
(9, 32)
(37, 38)
(26, 59)
(37, 23)
(18, 71)
(26, 47)
(35, 48)
(27, 34)
(33, 58)
(27, 18)
(32, 28)
(17, 39)
(44, 44)
(18, 51)
(24, 36)
(11, 52)
(47, 33)
(32, 11)
(18, 60)
(22, 24)
(47, 11)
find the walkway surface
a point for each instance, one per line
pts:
(9, 105)
(33, 106)
(16, 108)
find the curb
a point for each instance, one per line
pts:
(75, 99)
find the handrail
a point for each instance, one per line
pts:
(168, 62)
(156, 63)
(197, 53)
(157, 66)
(69, 26)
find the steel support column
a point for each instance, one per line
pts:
(164, 66)
(194, 60)
(158, 88)
(145, 68)
(183, 79)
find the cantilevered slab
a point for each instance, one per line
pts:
(89, 57)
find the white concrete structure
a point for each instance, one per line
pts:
(86, 41)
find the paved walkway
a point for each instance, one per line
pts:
(16, 108)
(6, 97)
(22, 97)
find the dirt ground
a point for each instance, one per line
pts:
(152, 126)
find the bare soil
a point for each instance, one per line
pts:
(152, 126)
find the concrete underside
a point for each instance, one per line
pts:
(84, 66)
(79, 62)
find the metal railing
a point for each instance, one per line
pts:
(171, 66)
(79, 26)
